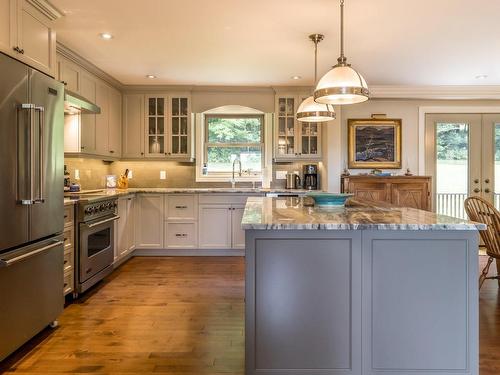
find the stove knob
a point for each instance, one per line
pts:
(102, 207)
(87, 211)
(115, 204)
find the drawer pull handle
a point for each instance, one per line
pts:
(65, 262)
(65, 216)
(181, 207)
(180, 235)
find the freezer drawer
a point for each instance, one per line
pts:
(31, 281)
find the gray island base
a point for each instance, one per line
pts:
(359, 290)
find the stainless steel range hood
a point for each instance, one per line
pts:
(74, 103)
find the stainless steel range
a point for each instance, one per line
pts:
(95, 250)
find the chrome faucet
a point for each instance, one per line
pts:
(233, 180)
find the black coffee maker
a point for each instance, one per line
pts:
(311, 177)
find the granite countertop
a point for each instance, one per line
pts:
(291, 213)
(121, 192)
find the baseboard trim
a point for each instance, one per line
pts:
(118, 263)
(190, 252)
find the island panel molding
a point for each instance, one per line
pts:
(311, 272)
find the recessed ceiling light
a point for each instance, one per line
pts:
(482, 76)
(296, 77)
(106, 36)
(151, 76)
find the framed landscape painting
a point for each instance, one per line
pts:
(374, 143)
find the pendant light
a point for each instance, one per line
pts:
(342, 84)
(309, 110)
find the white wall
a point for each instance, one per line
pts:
(408, 111)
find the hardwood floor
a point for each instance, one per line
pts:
(176, 316)
(152, 316)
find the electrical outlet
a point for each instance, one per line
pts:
(281, 175)
(77, 174)
(163, 175)
(130, 176)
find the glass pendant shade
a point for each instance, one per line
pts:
(310, 111)
(341, 85)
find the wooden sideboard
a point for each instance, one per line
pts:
(402, 191)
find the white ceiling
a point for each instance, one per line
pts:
(264, 42)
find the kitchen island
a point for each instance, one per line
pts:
(363, 289)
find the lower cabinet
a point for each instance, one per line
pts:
(220, 226)
(150, 220)
(237, 234)
(181, 235)
(125, 227)
(215, 226)
(183, 221)
(69, 248)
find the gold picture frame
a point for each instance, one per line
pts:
(374, 143)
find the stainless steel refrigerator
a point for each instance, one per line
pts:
(31, 202)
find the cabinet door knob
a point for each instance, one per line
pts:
(487, 181)
(477, 190)
(487, 190)
(476, 181)
(142, 153)
(111, 152)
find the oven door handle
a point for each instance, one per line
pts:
(102, 222)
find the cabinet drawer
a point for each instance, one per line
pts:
(181, 235)
(68, 282)
(181, 207)
(227, 198)
(69, 213)
(69, 238)
(68, 261)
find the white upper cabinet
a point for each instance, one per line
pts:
(115, 122)
(94, 134)
(156, 119)
(294, 140)
(133, 126)
(27, 33)
(158, 128)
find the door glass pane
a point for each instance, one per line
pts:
(175, 125)
(99, 241)
(156, 145)
(184, 106)
(175, 145)
(184, 145)
(152, 125)
(314, 145)
(289, 107)
(184, 125)
(152, 105)
(160, 106)
(497, 167)
(282, 106)
(305, 145)
(160, 125)
(175, 107)
(281, 126)
(452, 168)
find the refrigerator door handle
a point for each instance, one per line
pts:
(29, 160)
(10, 262)
(41, 177)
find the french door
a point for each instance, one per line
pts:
(463, 157)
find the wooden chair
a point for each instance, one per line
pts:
(482, 211)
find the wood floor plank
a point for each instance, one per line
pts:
(176, 316)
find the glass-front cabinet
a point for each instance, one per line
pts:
(293, 139)
(179, 129)
(168, 133)
(155, 122)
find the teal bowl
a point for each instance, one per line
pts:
(329, 199)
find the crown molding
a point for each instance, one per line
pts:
(198, 89)
(435, 92)
(87, 65)
(47, 8)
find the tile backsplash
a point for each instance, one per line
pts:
(147, 173)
